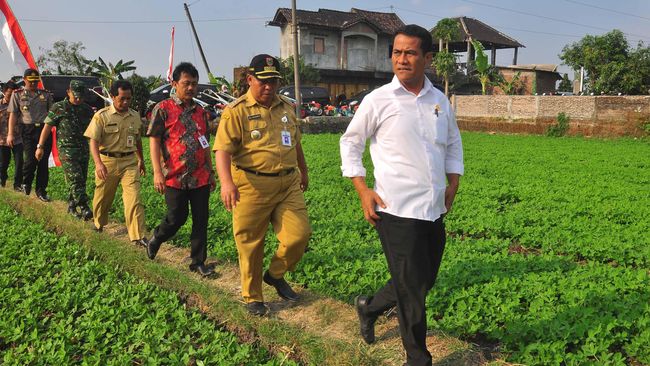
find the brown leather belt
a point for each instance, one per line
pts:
(115, 155)
(281, 173)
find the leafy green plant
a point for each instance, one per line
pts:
(483, 67)
(560, 128)
(509, 87)
(446, 30)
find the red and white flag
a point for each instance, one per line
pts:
(171, 59)
(22, 56)
(15, 39)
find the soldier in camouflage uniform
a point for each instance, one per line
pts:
(71, 118)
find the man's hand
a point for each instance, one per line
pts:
(10, 140)
(229, 195)
(141, 168)
(38, 154)
(304, 180)
(450, 192)
(369, 199)
(100, 171)
(159, 182)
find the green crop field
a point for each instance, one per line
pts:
(62, 307)
(548, 257)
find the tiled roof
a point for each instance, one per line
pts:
(387, 23)
(479, 31)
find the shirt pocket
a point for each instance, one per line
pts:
(256, 133)
(440, 128)
(111, 128)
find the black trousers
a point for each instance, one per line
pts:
(5, 156)
(413, 249)
(31, 134)
(177, 210)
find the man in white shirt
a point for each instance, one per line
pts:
(417, 154)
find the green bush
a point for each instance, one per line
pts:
(560, 128)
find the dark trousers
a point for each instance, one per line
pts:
(413, 249)
(177, 201)
(31, 134)
(5, 156)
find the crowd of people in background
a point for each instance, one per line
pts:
(415, 148)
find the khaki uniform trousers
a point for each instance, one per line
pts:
(122, 171)
(264, 200)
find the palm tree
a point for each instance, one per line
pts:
(483, 67)
(107, 73)
(446, 30)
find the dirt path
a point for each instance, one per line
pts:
(321, 316)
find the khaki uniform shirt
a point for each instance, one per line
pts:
(115, 132)
(259, 138)
(30, 106)
(4, 126)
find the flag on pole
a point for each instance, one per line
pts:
(22, 57)
(15, 39)
(171, 59)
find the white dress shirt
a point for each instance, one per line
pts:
(412, 148)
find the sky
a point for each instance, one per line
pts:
(232, 32)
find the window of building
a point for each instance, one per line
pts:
(319, 45)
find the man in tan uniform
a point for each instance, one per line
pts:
(116, 148)
(257, 152)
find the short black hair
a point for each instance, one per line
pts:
(120, 84)
(9, 85)
(414, 30)
(184, 67)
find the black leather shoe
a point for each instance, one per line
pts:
(152, 247)
(201, 269)
(26, 189)
(281, 286)
(366, 322)
(43, 197)
(141, 242)
(86, 212)
(257, 308)
(18, 189)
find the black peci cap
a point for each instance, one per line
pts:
(265, 67)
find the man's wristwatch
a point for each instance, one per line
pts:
(39, 146)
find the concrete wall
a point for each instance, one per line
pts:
(590, 116)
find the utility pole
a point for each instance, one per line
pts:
(296, 72)
(205, 62)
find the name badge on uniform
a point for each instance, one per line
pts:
(254, 116)
(286, 138)
(204, 142)
(130, 141)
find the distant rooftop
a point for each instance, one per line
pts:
(476, 30)
(386, 23)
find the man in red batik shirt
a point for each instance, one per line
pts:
(178, 133)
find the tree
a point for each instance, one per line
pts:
(483, 67)
(65, 58)
(565, 84)
(140, 94)
(306, 72)
(610, 64)
(107, 73)
(446, 30)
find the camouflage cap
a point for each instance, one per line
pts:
(78, 88)
(31, 75)
(265, 67)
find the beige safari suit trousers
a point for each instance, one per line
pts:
(264, 200)
(122, 171)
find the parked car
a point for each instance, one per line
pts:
(59, 84)
(308, 93)
(162, 92)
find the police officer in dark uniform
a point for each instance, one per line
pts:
(30, 107)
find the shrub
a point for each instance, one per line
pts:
(560, 128)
